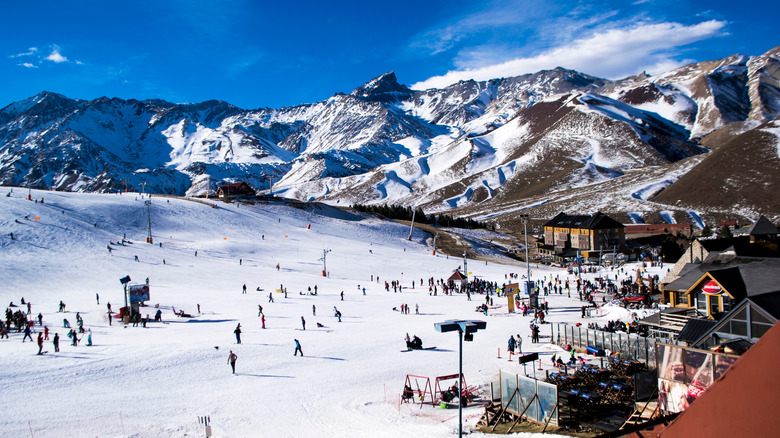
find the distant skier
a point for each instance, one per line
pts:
(40, 343)
(298, 348)
(56, 342)
(97, 298)
(237, 331)
(303, 323)
(27, 333)
(232, 360)
(313, 310)
(259, 310)
(244, 289)
(89, 338)
(262, 320)
(270, 297)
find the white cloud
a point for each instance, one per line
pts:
(55, 55)
(613, 53)
(30, 52)
(28, 65)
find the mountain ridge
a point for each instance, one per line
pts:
(472, 146)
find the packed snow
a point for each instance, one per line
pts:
(155, 381)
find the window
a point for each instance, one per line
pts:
(714, 304)
(681, 298)
(738, 328)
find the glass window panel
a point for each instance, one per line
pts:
(738, 328)
(757, 329)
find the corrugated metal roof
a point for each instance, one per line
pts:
(695, 328)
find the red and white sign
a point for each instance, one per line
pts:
(711, 288)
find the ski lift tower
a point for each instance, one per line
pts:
(324, 266)
(148, 204)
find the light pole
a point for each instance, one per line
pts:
(527, 260)
(467, 328)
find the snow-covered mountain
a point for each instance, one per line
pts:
(482, 149)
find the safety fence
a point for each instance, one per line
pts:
(627, 345)
(528, 398)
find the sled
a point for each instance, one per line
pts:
(418, 349)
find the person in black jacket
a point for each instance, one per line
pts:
(237, 331)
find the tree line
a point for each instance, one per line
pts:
(401, 212)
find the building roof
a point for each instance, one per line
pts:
(763, 226)
(456, 276)
(695, 328)
(563, 220)
(769, 302)
(598, 220)
(601, 220)
(740, 276)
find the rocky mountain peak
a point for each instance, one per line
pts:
(384, 88)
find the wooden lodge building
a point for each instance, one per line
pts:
(232, 190)
(567, 237)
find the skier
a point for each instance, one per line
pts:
(89, 338)
(237, 331)
(270, 297)
(27, 334)
(232, 360)
(259, 310)
(109, 317)
(313, 310)
(74, 337)
(262, 320)
(97, 297)
(56, 342)
(244, 290)
(46, 333)
(342, 295)
(198, 308)
(298, 348)
(40, 343)
(40, 319)
(303, 323)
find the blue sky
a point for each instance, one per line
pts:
(257, 54)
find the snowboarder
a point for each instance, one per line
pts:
(237, 331)
(56, 342)
(232, 360)
(198, 308)
(62, 306)
(74, 337)
(303, 323)
(298, 348)
(89, 338)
